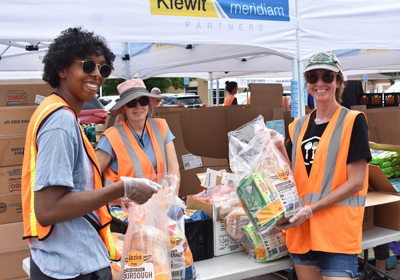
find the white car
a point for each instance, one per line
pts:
(109, 101)
(393, 88)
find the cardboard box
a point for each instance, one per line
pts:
(23, 92)
(266, 95)
(11, 264)
(385, 199)
(10, 179)
(12, 150)
(368, 222)
(10, 208)
(11, 236)
(15, 120)
(223, 242)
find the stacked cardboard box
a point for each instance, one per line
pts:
(18, 101)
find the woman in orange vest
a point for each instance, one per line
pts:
(137, 146)
(65, 211)
(231, 88)
(329, 152)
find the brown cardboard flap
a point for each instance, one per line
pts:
(378, 198)
(379, 182)
(266, 95)
(383, 125)
(196, 204)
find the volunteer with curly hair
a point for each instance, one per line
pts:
(65, 211)
(231, 88)
(329, 152)
(137, 146)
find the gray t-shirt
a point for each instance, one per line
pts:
(74, 247)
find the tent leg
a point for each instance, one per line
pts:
(210, 93)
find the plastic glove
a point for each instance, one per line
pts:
(139, 190)
(298, 218)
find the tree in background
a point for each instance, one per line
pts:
(110, 85)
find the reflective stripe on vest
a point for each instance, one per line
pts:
(229, 99)
(131, 152)
(31, 226)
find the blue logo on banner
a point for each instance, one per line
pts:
(255, 10)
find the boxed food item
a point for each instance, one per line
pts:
(223, 242)
(15, 120)
(23, 92)
(10, 179)
(10, 208)
(12, 150)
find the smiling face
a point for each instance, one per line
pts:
(77, 86)
(321, 91)
(137, 114)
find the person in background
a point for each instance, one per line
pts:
(329, 152)
(65, 210)
(156, 90)
(382, 253)
(137, 146)
(231, 88)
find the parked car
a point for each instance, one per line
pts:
(187, 100)
(109, 101)
(93, 112)
(393, 88)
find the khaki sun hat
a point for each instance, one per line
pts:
(323, 60)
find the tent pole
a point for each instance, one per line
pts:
(211, 89)
(127, 62)
(302, 108)
(217, 93)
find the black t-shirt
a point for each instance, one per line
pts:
(359, 146)
(234, 101)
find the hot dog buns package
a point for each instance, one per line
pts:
(265, 183)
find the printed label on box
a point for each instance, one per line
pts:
(191, 161)
(16, 98)
(39, 98)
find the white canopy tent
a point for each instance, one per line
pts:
(293, 29)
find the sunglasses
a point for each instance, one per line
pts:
(143, 101)
(88, 67)
(327, 78)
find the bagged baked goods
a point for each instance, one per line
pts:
(265, 183)
(146, 250)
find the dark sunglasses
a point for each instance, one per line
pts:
(88, 67)
(143, 101)
(327, 78)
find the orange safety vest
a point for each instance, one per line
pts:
(286, 103)
(132, 161)
(248, 101)
(32, 228)
(229, 99)
(337, 228)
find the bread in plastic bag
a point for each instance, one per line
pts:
(265, 183)
(146, 249)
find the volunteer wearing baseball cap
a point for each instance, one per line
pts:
(329, 152)
(137, 146)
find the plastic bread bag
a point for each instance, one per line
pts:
(146, 250)
(265, 182)
(217, 194)
(234, 223)
(267, 245)
(181, 256)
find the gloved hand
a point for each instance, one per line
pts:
(139, 190)
(298, 218)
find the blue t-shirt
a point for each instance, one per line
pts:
(74, 247)
(148, 149)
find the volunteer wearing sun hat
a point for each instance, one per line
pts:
(329, 152)
(137, 146)
(64, 204)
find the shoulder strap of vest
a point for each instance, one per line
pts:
(160, 140)
(297, 129)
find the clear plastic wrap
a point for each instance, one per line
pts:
(146, 249)
(264, 180)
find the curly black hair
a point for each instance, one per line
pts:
(72, 43)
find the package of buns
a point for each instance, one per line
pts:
(146, 248)
(264, 180)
